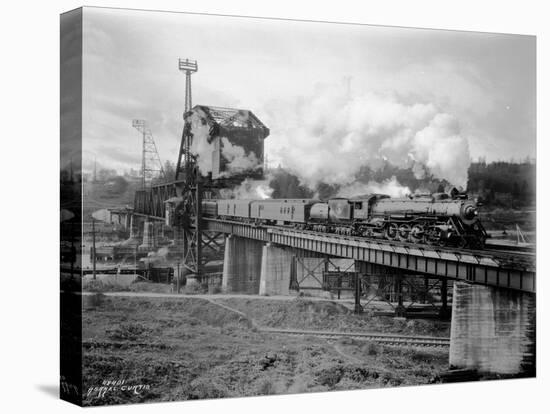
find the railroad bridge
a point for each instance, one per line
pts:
(493, 300)
(493, 291)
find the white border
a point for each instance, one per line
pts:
(29, 201)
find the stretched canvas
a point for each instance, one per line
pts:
(255, 206)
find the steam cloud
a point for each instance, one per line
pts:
(237, 160)
(390, 187)
(329, 136)
(202, 146)
(249, 190)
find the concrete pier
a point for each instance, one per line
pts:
(275, 270)
(149, 239)
(492, 330)
(242, 265)
(132, 227)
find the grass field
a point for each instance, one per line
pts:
(163, 349)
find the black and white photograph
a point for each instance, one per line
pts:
(266, 207)
(254, 206)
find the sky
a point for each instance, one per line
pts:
(390, 91)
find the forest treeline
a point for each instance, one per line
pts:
(503, 184)
(498, 184)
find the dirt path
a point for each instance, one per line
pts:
(346, 302)
(340, 352)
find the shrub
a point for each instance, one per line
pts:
(202, 388)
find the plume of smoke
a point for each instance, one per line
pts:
(201, 145)
(390, 187)
(160, 253)
(237, 159)
(249, 189)
(102, 215)
(328, 137)
(442, 149)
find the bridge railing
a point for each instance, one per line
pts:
(151, 202)
(488, 268)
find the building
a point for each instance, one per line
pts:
(229, 142)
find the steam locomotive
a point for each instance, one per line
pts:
(442, 219)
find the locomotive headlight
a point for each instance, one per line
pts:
(469, 213)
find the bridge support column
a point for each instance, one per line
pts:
(276, 271)
(127, 221)
(357, 282)
(242, 265)
(444, 312)
(426, 289)
(149, 241)
(400, 308)
(492, 330)
(132, 227)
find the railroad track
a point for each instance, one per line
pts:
(383, 338)
(510, 248)
(491, 250)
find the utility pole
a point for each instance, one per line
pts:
(93, 248)
(178, 279)
(357, 308)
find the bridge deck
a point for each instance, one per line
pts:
(488, 267)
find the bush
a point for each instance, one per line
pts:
(372, 348)
(127, 331)
(267, 386)
(329, 376)
(202, 388)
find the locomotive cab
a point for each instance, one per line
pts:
(339, 210)
(362, 205)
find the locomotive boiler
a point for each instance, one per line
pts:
(445, 219)
(439, 219)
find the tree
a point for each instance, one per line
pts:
(169, 171)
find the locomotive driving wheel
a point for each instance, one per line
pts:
(417, 233)
(462, 243)
(434, 237)
(392, 231)
(403, 232)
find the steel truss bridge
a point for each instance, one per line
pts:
(494, 268)
(503, 269)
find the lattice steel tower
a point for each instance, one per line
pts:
(186, 168)
(191, 187)
(151, 166)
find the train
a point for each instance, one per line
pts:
(443, 219)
